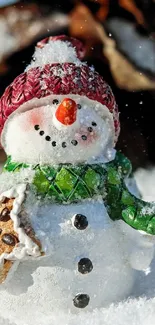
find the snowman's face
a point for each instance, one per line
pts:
(34, 135)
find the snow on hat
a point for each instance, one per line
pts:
(56, 69)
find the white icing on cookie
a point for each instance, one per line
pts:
(26, 247)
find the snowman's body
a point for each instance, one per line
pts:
(66, 122)
(89, 267)
(90, 263)
(87, 255)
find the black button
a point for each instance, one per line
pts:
(85, 266)
(80, 222)
(81, 300)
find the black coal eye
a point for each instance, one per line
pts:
(64, 145)
(84, 137)
(94, 124)
(36, 127)
(55, 101)
(47, 138)
(90, 129)
(54, 143)
(74, 142)
(41, 132)
(78, 106)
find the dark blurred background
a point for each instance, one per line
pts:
(119, 36)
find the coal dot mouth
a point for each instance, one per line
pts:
(84, 137)
(74, 142)
(63, 144)
(54, 143)
(48, 138)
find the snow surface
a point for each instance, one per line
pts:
(134, 312)
(134, 45)
(145, 179)
(8, 42)
(4, 3)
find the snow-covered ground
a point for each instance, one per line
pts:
(134, 312)
(4, 3)
(145, 179)
(138, 310)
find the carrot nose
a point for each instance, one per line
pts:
(66, 112)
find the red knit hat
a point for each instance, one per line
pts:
(60, 74)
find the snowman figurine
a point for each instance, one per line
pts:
(65, 208)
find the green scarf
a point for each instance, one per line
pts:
(67, 183)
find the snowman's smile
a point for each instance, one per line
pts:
(83, 137)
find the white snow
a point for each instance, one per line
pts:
(4, 3)
(54, 52)
(8, 42)
(133, 44)
(133, 312)
(145, 179)
(8, 179)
